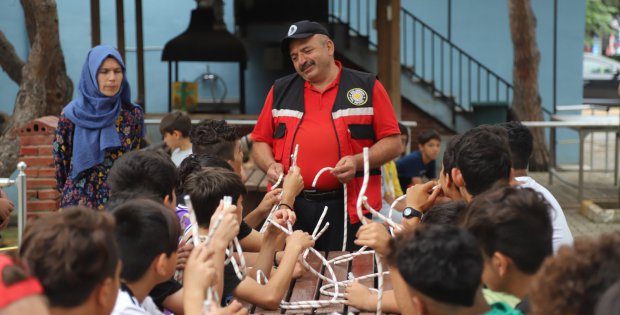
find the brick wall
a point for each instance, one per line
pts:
(36, 139)
(425, 122)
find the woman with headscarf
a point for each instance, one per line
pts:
(95, 129)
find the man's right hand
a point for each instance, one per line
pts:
(274, 171)
(299, 240)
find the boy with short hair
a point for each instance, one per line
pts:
(147, 234)
(74, 255)
(206, 188)
(498, 219)
(521, 146)
(152, 175)
(218, 138)
(436, 270)
(419, 163)
(175, 128)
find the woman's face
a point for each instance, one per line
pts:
(110, 77)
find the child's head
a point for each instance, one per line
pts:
(208, 186)
(444, 213)
(20, 293)
(428, 143)
(521, 143)
(195, 162)
(448, 163)
(216, 137)
(404, 137)
(148, 172)
(483, 158)
(514, 230)
(438, 266)
(147, 234)
(174, 127)
(574, 279)
(75, 256)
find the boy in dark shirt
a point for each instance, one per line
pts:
(420, 163)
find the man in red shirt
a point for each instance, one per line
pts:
(332, 113)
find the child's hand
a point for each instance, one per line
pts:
(360, 297)
(283, 215)
(183, 253)
(200, 271)
(299, 240)
(422, 196)
(270, 199)
(293, 182)
(375, 236)
(234, 308)
(229, 226)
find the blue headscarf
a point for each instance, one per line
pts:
(94, 114)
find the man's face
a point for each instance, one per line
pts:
(430, 149)
(312, 56)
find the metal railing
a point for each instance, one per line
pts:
(429, 57)
(22, 212)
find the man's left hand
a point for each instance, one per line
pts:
(345, 169)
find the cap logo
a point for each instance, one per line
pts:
(357, 96)
(292, 30)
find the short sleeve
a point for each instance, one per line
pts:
(163, 290)
(385, 123)
(263, 131)
(244, 230)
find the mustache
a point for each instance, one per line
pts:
(307, 64)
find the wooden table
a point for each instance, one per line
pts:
(307, 287)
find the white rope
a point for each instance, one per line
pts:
(346, 216)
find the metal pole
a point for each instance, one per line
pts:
(21, 202)
(120, 28)
(95, 23)
(450, 20)
(140, 54)
(555, 53)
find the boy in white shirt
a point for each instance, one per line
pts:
(147, 236)
(175, 128)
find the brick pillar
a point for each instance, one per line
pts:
(37, 137)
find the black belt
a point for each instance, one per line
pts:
(321, 195)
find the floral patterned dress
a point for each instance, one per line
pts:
(90, 188)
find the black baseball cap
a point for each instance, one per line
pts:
(302, 29)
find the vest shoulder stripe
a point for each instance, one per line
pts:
(286, 113)
(365, 111)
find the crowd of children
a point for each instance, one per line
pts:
(482, 238)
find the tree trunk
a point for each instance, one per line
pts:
(526, 98)
(44, 87)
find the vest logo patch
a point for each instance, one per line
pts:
(292, 30)
(357, 96)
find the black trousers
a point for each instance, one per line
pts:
(308, 209)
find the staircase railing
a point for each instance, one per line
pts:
(429, 57)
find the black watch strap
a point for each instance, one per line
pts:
(410, 212)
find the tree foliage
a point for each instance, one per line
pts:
(599, 14)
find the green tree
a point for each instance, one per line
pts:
(599, 14)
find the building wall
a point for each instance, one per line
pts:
(480, 27)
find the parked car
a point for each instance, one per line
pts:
(600, 79)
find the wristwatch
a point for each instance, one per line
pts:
(410, 212)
